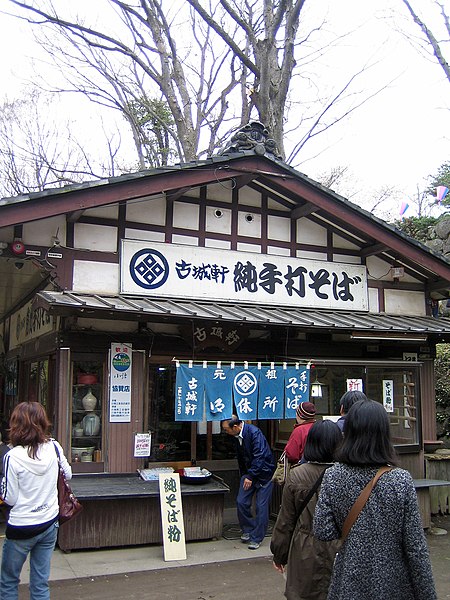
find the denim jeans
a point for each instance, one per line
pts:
(256, 525)
(15, 552)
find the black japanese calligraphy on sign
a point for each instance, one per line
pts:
(210, 273)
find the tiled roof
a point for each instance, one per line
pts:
(251, 314)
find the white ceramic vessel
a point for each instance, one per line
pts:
(89, 401)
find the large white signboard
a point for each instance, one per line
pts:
(149, 268)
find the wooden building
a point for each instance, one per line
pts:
(321, 281)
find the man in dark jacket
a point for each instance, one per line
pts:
(346, 402)
(256, 466)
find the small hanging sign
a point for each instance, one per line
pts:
(172, 522)
(142, 444)
(388, 395)
(354, 385)
(120, 383)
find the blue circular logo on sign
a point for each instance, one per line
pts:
(121, 361)
(149, 269)
(245, 383)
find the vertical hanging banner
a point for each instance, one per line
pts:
(271, 393)
(219, 393)
(172, 522)
(120, 383)
(388, 395)
(245, 392)
(296, 386)
(189, 398)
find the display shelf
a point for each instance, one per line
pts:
(86, 432)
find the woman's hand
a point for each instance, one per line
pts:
(279, 568)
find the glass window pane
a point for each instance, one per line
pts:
(402, 384)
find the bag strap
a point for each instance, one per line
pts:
(57, 454)
(311, 493)
(360, 502)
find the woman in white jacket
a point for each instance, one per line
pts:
(29, 488)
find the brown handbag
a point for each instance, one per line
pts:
(69, 505)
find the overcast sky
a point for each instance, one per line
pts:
(398, 138)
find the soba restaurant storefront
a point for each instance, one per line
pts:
(149, 306)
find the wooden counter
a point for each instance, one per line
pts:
(124, 510)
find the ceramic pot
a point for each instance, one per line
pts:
(91, 424)
(89, 401)
(87, 378)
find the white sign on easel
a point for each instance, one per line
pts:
(172, 522)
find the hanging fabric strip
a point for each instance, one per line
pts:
(271, 393)
(245, 392)
(218, 393)
(189, 394)
(296, 384)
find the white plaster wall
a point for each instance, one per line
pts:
(104, 212)
(251, 197)
(185, 215)
(403, 302)
(41, 233)
(340, 242)
(374, 306)
(95, 237)
(185, 240)
(95, 277)
(218, 224)
(7, 234)
(152, 210)
(345, 258)
(278, 251)
(138, 234)
(378, 269)
(251, 228)
(311, 233)
(312, 255)
(248, 248)
(279, 228)
(220, 244)
(217, 191)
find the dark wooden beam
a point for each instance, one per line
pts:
(73, 217)
(244, 180)
(57, 203)
(178, 193)
(303, 211)
(372, 250)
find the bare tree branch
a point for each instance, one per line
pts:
(435, 45)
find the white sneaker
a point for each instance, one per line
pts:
(254, 545)
(245, 537)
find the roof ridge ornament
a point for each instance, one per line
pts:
(252, 138)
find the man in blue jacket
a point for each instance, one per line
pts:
(256, 466)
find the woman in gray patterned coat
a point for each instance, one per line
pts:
(385, 556)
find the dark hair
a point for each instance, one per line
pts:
(231, 422)
(367, 438)
(29, 426)
(349, 399)
(322, 441)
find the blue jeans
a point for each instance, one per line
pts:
(15, 552)
(256, 525)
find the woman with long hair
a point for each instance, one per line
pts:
(29, 488)
(385, 554)
(309, 561)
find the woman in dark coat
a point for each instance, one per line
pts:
(309, 561)
(385, 555)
